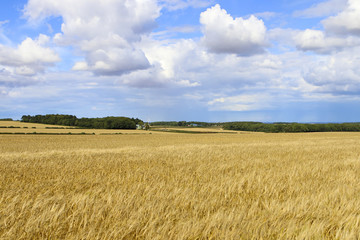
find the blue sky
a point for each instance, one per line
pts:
(204, 60)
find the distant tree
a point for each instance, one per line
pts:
(182, 123)
(70, 120)
(291, 127)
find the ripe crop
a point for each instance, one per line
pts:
(180, 186)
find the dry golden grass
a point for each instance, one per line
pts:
(29, 125)
(47, 128)
(195, 129)
(180, 186)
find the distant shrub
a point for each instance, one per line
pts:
(6, 119)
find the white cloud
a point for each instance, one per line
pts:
(30, 57)
(116, 49)
(24, 70)
(337, 73)
(104, 32)
(148, 78)
(9, 78)
(173, 57)
(116, 61)
(173, 5)
(187, 83)
(265, 15)
(183, 29)
(3, 22)
(185, 63)
(224, 34)
(322, 9)
(316, 40)
(80, 66)
(340, 30)
(347, 21)
(182, 60)
(3, 37)
(238, 103)
(169, 65)
(283, 37)
(30, 51)
(91, 18)
(269, 63)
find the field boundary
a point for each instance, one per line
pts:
(189, 132)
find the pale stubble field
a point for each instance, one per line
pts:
(180, 186)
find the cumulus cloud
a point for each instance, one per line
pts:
(221, 82)
(316, 40)
(154, 78)
(30, 57)
(224, 34)
(102, 17)
(341, 31)
(114, 62)
(148, 78)
(103, 31)
(169, 65)
(10, 79)
(208, 73)
(336, 73)
(347, 21)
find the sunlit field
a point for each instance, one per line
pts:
(180, 186)
(16, 127)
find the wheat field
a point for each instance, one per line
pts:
(180, 186)
(16, 127)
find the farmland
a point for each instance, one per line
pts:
(15, 127)
(179, 186)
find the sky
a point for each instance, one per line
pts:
(175, 60)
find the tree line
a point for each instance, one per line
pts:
(183, 124)
(292, 127)
(71, 120)
(130, 123)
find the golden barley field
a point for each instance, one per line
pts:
(180, 186)
(7, 127)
